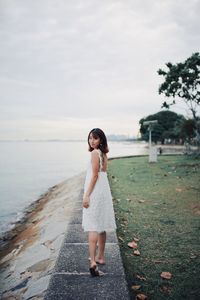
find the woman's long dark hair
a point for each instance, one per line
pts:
(98, 133)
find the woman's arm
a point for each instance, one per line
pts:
(95, 170)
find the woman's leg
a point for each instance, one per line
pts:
(92, 239)
(101, 247)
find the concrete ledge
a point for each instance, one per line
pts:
(85, 287)
(71, 279)
(75, 234)
(74, 259)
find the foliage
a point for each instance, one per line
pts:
(168, 126)
(182, 80)
(188, 129)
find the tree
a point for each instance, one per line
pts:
(188, 129)
(168, 126)
(182, 80)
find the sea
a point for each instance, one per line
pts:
(29, 168)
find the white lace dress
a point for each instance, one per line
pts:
(99, 216)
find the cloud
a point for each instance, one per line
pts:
(12, 81)
(89, 60)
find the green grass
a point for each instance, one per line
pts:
(166, 221)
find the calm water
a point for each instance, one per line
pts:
(28, 169)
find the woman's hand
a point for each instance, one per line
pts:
(86, 201)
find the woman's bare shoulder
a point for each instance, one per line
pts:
(94, 153)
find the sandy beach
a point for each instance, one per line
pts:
(29, 251)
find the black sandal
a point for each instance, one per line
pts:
(94, 271)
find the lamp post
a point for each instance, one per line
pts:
(152, 151)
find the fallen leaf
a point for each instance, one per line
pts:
(120, 238)
(136, 252)
(179, 190)
(141, 201)
(193, 256)
(165, 289)
(166, 275)
(136, 287)
(132, 245)
(141, 277)
(141, 297)
(136, 239)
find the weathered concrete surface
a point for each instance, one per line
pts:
(29, 253)
(71, 280)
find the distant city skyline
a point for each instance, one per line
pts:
(110, 137)
(73, 66)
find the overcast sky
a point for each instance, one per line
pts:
(68, 66)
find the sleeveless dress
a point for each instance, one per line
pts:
(99, 216)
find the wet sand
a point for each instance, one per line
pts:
(29, 251)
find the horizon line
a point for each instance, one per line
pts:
(64, 140)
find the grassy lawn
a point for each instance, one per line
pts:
(160, 205)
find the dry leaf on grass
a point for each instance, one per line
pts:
(141, 297)
(166, 275)
(120, 238)
(179, 190)
(141, 277)
(132, 244)
(141, 201)
(136, 287)
(136, 239)
(136, 252)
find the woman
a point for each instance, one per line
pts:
(98, 213)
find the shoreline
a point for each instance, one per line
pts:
(30, 249)
(29, 212)
(7, 237)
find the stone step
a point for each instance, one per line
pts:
(71, 279)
